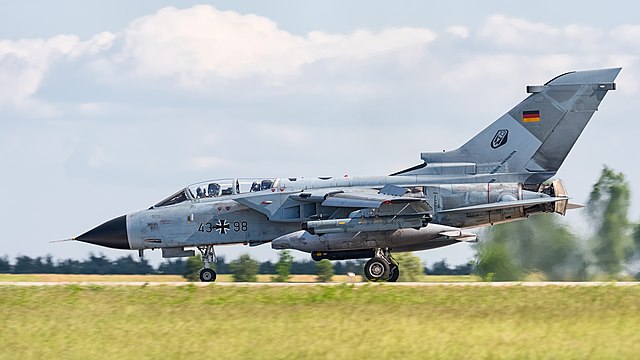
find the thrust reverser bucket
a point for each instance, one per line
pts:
(560, 191)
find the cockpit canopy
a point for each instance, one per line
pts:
(212, 189)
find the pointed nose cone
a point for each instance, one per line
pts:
(111, 234)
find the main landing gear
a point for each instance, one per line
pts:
(208, 256)
(382, 267)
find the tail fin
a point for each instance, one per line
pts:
(535, 136)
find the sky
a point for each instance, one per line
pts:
(108, 107)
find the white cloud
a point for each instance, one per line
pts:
(202, 43)
(536, 37)
(24, 63)
(98, 43)
(363, 44)
(627, 34)
(517, 33)
(496, 71)
(458, 31)
(223, 54)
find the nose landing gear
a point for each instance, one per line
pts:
(382, 267)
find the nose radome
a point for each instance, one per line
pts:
(111, 234)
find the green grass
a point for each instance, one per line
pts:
(317, 322)
(86, 278)
(220, 278)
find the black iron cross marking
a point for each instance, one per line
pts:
(222, 226)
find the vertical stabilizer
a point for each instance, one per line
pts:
(536, 135)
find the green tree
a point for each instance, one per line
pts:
(173, 267)
(324, 270)
(608, 208)
(5, 265)
(127, 265)
(283, 267)
(542, 244)
(194, 264)
(267, 267)
(636, 238)
(244, 269)
(495, 262)
(410, 266)
(97, 265)
(636, 245)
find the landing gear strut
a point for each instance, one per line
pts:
(382, 267)
(208, 256)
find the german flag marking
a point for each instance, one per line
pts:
(531, 116)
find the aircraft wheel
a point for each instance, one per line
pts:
(394, 274)
(376, 269)
(207, 275)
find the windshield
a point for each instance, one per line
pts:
(176, 198)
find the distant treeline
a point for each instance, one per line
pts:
(100, 264)
(442, 268)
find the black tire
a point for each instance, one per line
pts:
(394, 274)
(377, 269)
(207, 275)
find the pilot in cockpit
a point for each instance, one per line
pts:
(255, 186)
(199, 193)
(214, 189)
(266, 184)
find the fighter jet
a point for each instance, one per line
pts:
(500, 175)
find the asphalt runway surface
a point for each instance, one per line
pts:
(416, 284)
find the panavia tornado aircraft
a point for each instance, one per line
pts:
(499, 175)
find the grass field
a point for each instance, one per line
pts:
(221, 278)
(317, 322)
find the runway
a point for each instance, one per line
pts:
(357, 284)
